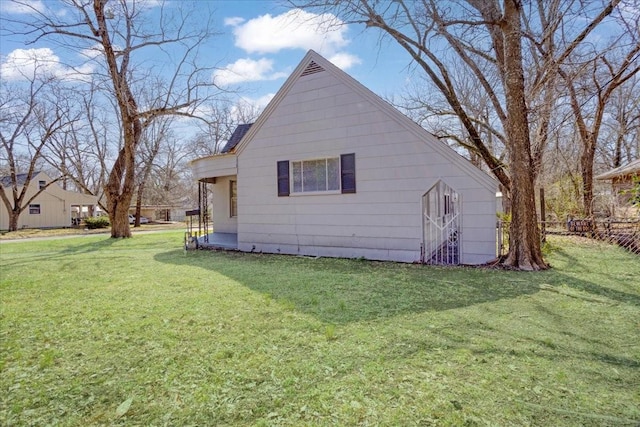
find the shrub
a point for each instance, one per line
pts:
(563, 198)
(634, 191)
(97, 222)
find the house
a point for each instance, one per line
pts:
(622, 180)
(330, 169)
(159, 212)
(53, 208)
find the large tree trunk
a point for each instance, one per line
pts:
(120, 187)
(13, 220)
(524, 237)
(586, 168)
(119, 218)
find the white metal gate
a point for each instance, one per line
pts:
(441, 225)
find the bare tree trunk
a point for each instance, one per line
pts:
(589, 130)
(524, 238)
(119, 188)
(542, 132)
(13, 219)
(138, 208)
(119, 191)
(586, 167)
(139, 194)
(123, 31)
(140, 191)
(617, 156)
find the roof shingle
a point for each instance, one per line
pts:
(236, 137)
(21, 178)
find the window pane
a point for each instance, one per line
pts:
(314, 175)
(297, 176)
(333, 172)
(321, 175)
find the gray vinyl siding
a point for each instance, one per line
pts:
(320, 117)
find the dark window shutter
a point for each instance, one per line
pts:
(348, 173)
(283, 178)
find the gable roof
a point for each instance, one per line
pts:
(21, 178)
(236, 137)
(314, 63)
(633, 167)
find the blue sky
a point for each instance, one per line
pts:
(261, 43)
(269, 40)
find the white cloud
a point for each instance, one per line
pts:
(93, 52)
(296, 29)
(247, 70)
(247, 107)
(233, 21)
(25, 64)
(344, 60)
(26, 8)
(258, 103)
(148, 3)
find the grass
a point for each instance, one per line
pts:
(30, 233)
(97, 331)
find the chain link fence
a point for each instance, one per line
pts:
(624, 233)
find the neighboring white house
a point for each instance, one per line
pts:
(52, 208)
(330, 169)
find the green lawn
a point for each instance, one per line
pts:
(97, 331)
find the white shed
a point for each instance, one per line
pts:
(330, 169)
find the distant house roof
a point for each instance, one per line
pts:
(21, 178)
(630, 168)
(236, 136)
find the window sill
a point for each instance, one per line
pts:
(315, 193)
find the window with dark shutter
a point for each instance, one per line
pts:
(348, 172)
(283, 178)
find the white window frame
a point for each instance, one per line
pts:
(33, 207)
(233, 199)
(337, 178)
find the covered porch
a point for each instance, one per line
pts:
(79, 206)
(80, 211)
(226, 241)
(217, 175)
(216, 214)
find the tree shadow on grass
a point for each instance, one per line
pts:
(595, 289)
(92, 246)
(341, 291)
(601, 291)
(62, 254)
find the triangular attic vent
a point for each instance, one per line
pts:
(312, 68)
